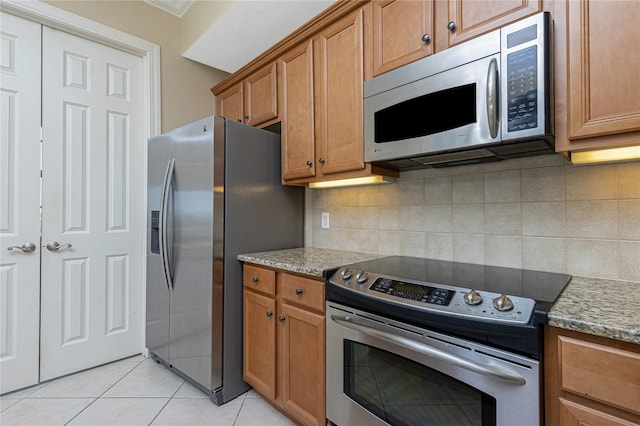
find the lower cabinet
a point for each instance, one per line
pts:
(284, 341)
(590, 380)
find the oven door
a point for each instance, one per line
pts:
(381, 371)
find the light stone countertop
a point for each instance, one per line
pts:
(594, 306)
(306, 260)
(600, 307)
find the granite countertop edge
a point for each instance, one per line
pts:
(595, 306)
(587, 305)
(307, 260)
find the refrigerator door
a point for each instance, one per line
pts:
(157, 294)
(191, 226)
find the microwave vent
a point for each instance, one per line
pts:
(454, 156)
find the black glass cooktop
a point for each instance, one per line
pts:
(543, 287)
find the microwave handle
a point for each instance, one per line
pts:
(430, 351)
(492, 98)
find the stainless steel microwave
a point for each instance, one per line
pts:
(487, 99)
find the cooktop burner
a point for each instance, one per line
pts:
(486, 303)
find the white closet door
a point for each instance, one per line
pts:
(93, 195)
(19, 202)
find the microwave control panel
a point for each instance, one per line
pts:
(522, 93)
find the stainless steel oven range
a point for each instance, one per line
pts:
(414, 341)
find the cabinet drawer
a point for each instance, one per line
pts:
(303, 291)
(601, 373)
(572, 414)
(259, 279)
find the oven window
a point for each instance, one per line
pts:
(403, 392)
(427, 114)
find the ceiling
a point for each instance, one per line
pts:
(245, 29)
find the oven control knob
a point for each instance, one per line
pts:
(345, 274)
(503, 303)
(361, 277)
(472, 298)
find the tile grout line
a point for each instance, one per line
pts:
(241, 406)
(100, 396)
(168, 400)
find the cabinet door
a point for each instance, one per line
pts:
(471, 18)
(298, 137)
(603, 61)
(259, 338)
(303, 364)
(261, 96)
(573, 414)
(229, 103)
(402, 32)
(339, 95)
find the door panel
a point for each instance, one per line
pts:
(19, 202)
(92, 201)
(298, 136)
(339, 113)
(157, 294)
(191, 225)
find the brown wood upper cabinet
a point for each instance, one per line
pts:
(461, 20)
(298, 133)
(253, 101)
(597, 86)
(402, 32)
(322, 113)
(338, 60)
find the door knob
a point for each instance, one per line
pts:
(55, 246)
(26, 247)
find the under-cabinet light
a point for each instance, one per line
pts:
(367, 180)
(606, 155)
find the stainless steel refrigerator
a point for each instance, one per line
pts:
(214, 191)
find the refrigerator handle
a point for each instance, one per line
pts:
(165, 252)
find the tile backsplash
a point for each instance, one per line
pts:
(535, 213)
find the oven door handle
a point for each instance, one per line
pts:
(416, 346)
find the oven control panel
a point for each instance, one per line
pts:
(411, 291)
(437, 298)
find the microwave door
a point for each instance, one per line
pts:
(445, 112)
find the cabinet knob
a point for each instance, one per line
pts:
(239, 120)
(269, 314)
(255, 279)
(451, 26)
(281, 318)
(426, 38)
(299, 291)
(321, 160)
(309, 163)
(246, 117)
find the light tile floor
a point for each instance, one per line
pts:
(134, 391)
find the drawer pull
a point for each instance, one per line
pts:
(255, 279)
(299, 291)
